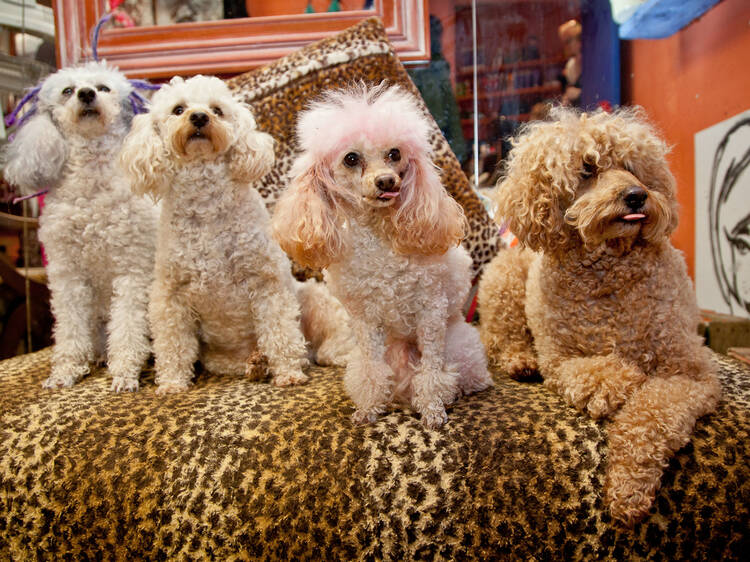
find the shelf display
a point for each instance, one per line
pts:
(519, 60)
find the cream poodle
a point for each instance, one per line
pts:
(598, 301)
(366, 203)
(223, 292)
(98, 237)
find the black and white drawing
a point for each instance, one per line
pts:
(722, 207)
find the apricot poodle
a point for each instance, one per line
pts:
(596, 299)
(223, 292)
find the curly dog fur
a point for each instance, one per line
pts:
(223, 292)
(366, 203)
(597, 300)
(98, 237)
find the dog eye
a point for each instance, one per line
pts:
(217, 111)
(351, 159)
(394, 154)
(178, 110)
(67, 91)
(588, 170)
(102, 88)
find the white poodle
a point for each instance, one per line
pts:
(99, 239)
(366, 203)
(223, 292)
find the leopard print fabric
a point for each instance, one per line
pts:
(237, 470)
(278, 92)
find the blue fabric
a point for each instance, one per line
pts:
(600, 80)
(656, 19)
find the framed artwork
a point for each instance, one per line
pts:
(722, 214)
(224, 46)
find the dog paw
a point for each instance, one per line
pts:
(597, 385)
(476, 382)
(362, 417)
(449, 395)
(521, 366)
(256, 367)
(608, 396)
(601, 404)
(171, 388)
(290, 378)
(630, 489)
(434, 417)
(56, 381)
(628, 506)
(65, 373)
(124, 384)
(331, 358)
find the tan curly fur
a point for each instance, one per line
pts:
(596, 299)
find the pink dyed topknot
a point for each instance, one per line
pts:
(380, 114)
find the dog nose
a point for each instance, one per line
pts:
(86, 95)
(634, 197)
(386, 182)
(199, 120)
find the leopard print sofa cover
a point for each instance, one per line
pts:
(236, 470)
(277, 92)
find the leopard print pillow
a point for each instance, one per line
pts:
(279, 91)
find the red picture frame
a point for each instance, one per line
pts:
(226, 46)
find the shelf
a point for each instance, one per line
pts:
(549, 88)
(483, 68)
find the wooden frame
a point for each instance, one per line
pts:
(225, 46)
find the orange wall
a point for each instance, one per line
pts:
(256, 8)
(686, 83)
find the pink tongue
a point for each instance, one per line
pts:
(633, 217)
(388, 195)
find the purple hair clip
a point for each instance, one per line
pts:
(97, 30)
(30, 96)
(137, 102)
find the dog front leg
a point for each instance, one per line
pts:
(433, 385)
(128, 344)
(325, 324)
(174, 329)
(502, 314)
(651, 426)
(277, 324)
(72, 301)
(368, 379)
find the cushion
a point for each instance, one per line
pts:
(239, 469)
(278, 91)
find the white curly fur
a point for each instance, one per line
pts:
(223, 292)
(98, 237)
(388, 234)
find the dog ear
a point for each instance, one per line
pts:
(36, 156)
(428, 220)
(252, 154)
(537, 188)
(306, 219)
(143, 160)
